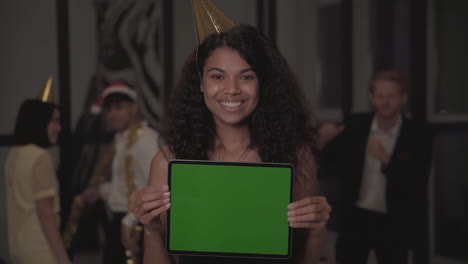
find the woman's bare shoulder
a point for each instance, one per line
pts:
(162, 158)
(159, 165)
(305, 156)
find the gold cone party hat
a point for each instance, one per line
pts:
(209, 19)
(46, 95)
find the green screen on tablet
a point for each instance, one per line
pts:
(229, 209)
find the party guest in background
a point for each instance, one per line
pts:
(33, 202)
(383, 159)
(135, 144)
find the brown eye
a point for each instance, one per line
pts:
(247, 77)
(217, 77)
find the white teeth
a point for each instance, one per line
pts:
(232, 104)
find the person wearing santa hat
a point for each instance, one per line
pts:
(135, 144)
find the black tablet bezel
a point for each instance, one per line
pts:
(228, 254)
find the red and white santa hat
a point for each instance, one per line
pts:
(114, 87)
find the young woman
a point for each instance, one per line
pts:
(237, 101)
(32, 188)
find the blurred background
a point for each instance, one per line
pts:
(332, 45)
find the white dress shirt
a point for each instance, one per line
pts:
(115, 192)
(373, 186)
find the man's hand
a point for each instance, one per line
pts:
(90, 195)
(327, 132)
(377, 150)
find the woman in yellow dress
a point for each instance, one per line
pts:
(33, 202)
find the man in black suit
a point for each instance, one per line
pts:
(383, 160)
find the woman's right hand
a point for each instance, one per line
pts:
(148, 204)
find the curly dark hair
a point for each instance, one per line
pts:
(279, 125)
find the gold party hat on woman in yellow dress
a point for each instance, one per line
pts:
(209, 19)
(46, 95)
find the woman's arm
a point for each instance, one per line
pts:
(50, 227)
(45, 188)
(310, 213)
(312, 238)
(154, 248)
(149, 206)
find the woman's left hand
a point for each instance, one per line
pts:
(310, 212)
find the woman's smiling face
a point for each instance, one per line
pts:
(230, 87)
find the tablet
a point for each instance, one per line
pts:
(229, 209)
